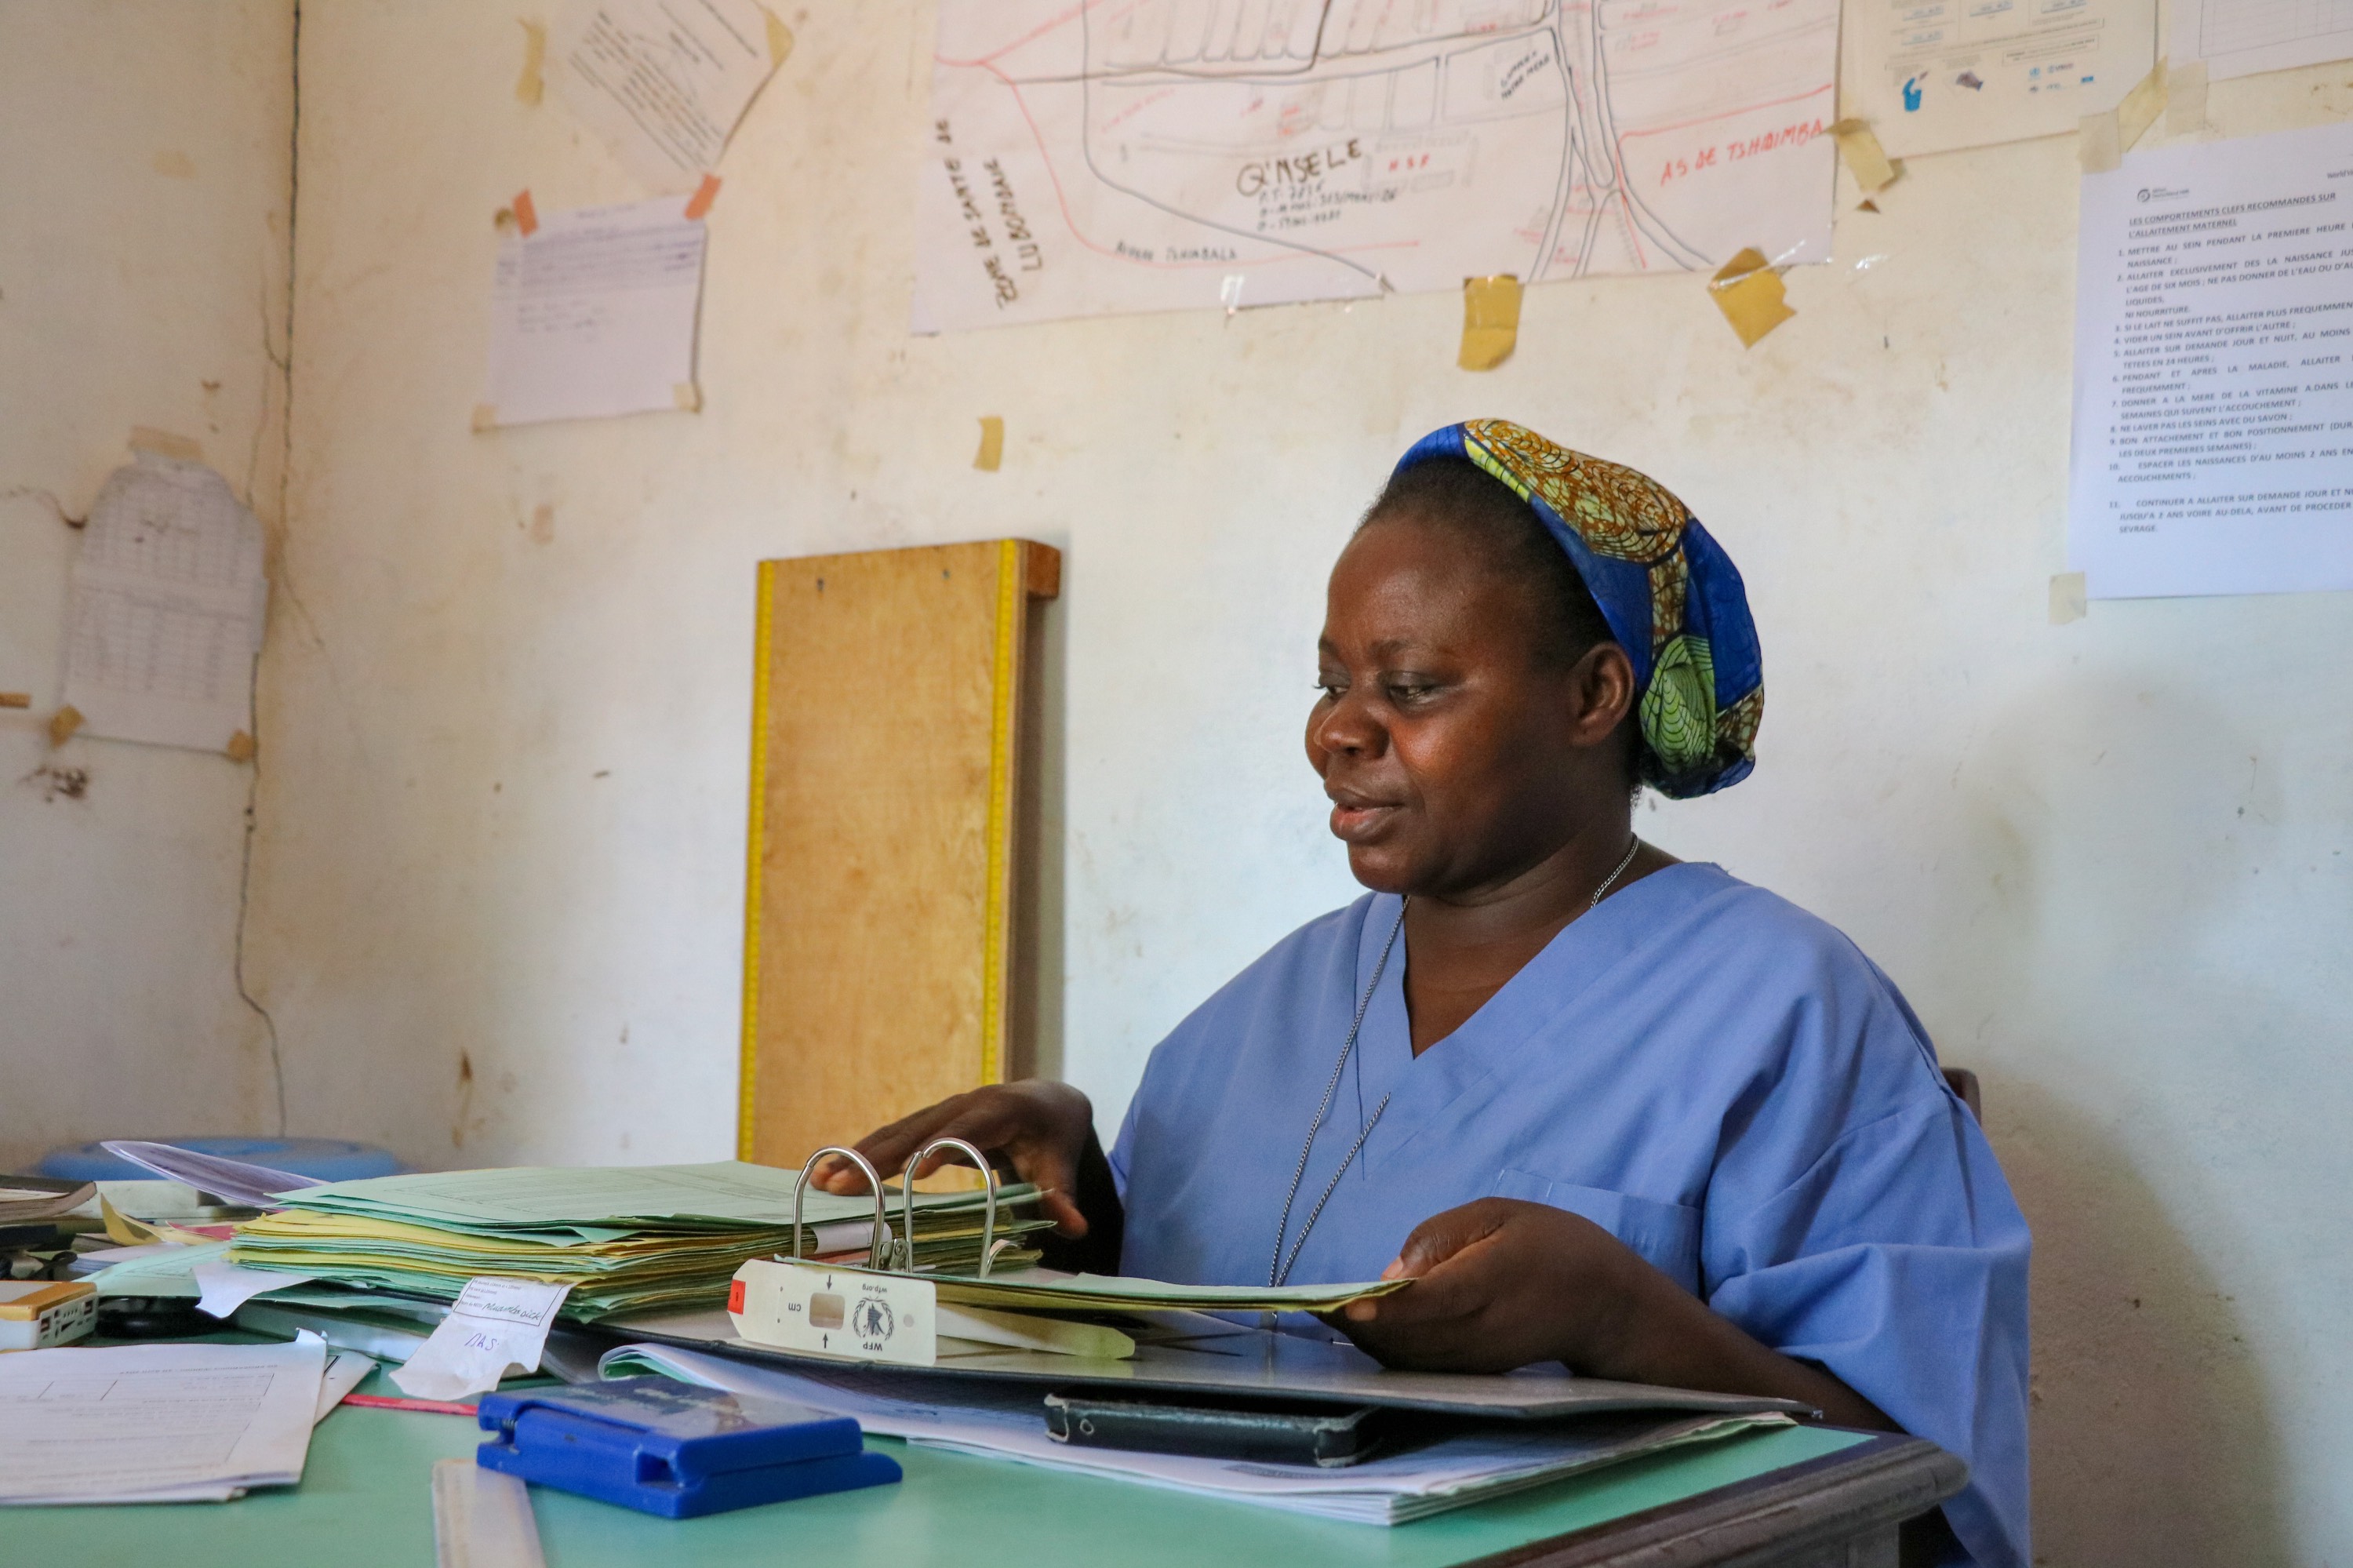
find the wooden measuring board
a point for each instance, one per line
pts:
(889, 715)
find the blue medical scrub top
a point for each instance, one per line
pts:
(1718, 1078)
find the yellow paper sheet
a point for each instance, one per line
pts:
(1750, 295)
(1490, 322)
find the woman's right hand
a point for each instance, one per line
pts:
(1038, 1126)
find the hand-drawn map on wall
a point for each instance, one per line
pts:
(1093, 156)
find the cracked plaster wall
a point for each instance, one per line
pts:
(145, 155)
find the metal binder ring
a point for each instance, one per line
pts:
(878, 1253)
(988, 1215)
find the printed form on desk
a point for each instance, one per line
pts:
(155, 1423)
(2214, 370)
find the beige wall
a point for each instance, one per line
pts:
(145, 151)
(498, 890)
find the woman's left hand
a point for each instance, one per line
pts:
(1499, 1284)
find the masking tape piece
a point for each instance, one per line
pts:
(1750, 295)
(2184, 98)
(62, 725)
(486, 418)
(164, 443)
(1490, 322)
(1866, 159)
(704, 194)
(780, 40)
(239, 748)
(526, 215)
(687, 396)
(2097, 143)
(16, 699)
(1866, 205)
(992, 443)
(2067, 597)
(532, 85)
(2140, 108)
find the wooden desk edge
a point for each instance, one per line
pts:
(1875, 1485)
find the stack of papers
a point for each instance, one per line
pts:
(624, 1239)
(1009, 1423)
(157, 1423)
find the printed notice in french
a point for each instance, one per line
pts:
(2213, 433)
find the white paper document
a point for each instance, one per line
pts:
(347, 1369)
(231, 1180)
(2213, 439)
(593, 314)
(496, 1324)
(1167, 154)
(1933, 75)
(663, 82)
(224, 1287)
(2240, 37)
(155, 1423)
(1007, 1422)
(166, 613)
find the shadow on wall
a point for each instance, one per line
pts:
(2151, 1441)
(2106, 834)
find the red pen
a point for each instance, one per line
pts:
(387, 1401)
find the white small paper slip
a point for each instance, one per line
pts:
(496, 1324)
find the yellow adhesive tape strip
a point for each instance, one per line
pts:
(704, 194)
(687, 396)
(992, 443)
(2184, 98)
(62, 725)
(239, 748)
(164, 443)
(532, 85)
(780, 41)
(1490, 322)
(2140, 108)
(1750, 295)
(486, 418)
(16, 699)
(526, 215)
(1866, 159)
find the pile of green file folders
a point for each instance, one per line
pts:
(627, 1239)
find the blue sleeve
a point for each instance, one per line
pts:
(1898, 1260)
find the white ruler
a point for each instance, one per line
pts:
(482, 1518)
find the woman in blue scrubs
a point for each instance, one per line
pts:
(1603, 1107)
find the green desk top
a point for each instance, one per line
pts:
(365, 1499)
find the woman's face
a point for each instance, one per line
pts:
(1455, 757)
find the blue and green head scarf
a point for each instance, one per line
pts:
(1671, 595)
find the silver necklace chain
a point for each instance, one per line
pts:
(1279, 1266)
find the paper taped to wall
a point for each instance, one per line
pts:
(1172, 154)
(664, 85)
(1967, 73)
(593, 314)
(2240, 37)
(2213, 332)
(168, 600)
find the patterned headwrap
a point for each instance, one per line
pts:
(1671, 595)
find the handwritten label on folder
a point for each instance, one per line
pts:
(495, 1325)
